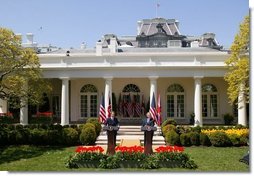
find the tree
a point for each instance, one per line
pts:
(20, 73)
(238, 64)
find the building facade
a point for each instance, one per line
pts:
(186, 71)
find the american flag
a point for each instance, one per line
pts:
(129, 106)
(143, 106)
(102, 113)
(109, 106)
(153, 110)
(159, 110)
(137, 106)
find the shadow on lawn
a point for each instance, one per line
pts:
(13, 153)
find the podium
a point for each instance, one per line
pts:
(111, 132)
(148, 141)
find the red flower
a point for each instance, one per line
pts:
(93, 149)
(169, 149)
(130, 149)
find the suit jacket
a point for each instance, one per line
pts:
(110, 122)
(150, 123)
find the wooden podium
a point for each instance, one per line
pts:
(148, 141)
(111, 130)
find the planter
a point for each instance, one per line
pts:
(170, 164)
(129, 164)
(89, 164)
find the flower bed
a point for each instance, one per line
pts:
(131, 157)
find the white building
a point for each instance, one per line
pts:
(186, 71)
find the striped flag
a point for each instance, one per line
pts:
(153, 110)
(129, 106)
(120, 106)
(159, 110)
(102, 113)
(109, 106)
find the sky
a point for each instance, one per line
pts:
(68, 23)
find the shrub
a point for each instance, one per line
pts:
(88, 136)
(54, 137)
(235, 139)
(219, 139)
(70, 136)
(204, 140)
(167, 128)
(172, 138)
(167, 122)
(194, 138)
(96, 123)
(183, 129)
(228, 119)
(185, 139)
(197, 129)
(37, 136)
(3, 136)
(22, 135)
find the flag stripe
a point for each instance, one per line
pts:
(153, 110)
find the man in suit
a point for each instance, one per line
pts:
(148, 121)
(112, 121)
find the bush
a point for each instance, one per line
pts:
(220, 139)
(167, 122)
(185, 139)
(70, 136)
(197, 129)
(37, 136)
(167, 128)
(88, 136)
(54, 137)
(235, 139)
(194, 138)
(172, 138)
(96, 123)
(204, 140)
(22, 135)
(228, 119)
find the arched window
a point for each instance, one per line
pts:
(131, 97)
(88, 101)
(209, 101)
(175, 101)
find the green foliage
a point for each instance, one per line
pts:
(204, 140)
(70, 136)
(150, 162)
(172, 138)
(167, 128)
(96, 123)
(220, 139)
(194, 138)
(238, 63)
(111, 162)
(38, 136)
(185, 139)
(88, 136)
(40, 120)
(228, 119)
(19, 67)
(167, 122)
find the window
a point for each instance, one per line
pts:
(88, 101)
(209, 101)
(175, 101)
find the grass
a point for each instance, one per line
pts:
(32, 158)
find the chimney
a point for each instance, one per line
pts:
(194, 44)
(83, 45)
(113, 45)
(99, 48)
(30, 38)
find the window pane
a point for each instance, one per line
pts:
(214, 109)
(170, 106)
(204, 105)
(83, 105)
(93, 106)
(180, 105)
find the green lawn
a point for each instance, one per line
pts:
(31, 158)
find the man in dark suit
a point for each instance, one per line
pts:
(112, 121)
(148, 121)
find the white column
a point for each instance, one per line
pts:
(3, 106)
(242, 117)
(198, 101)
(24, 109)
(153, 88)
(65, 102)
(108, 93)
